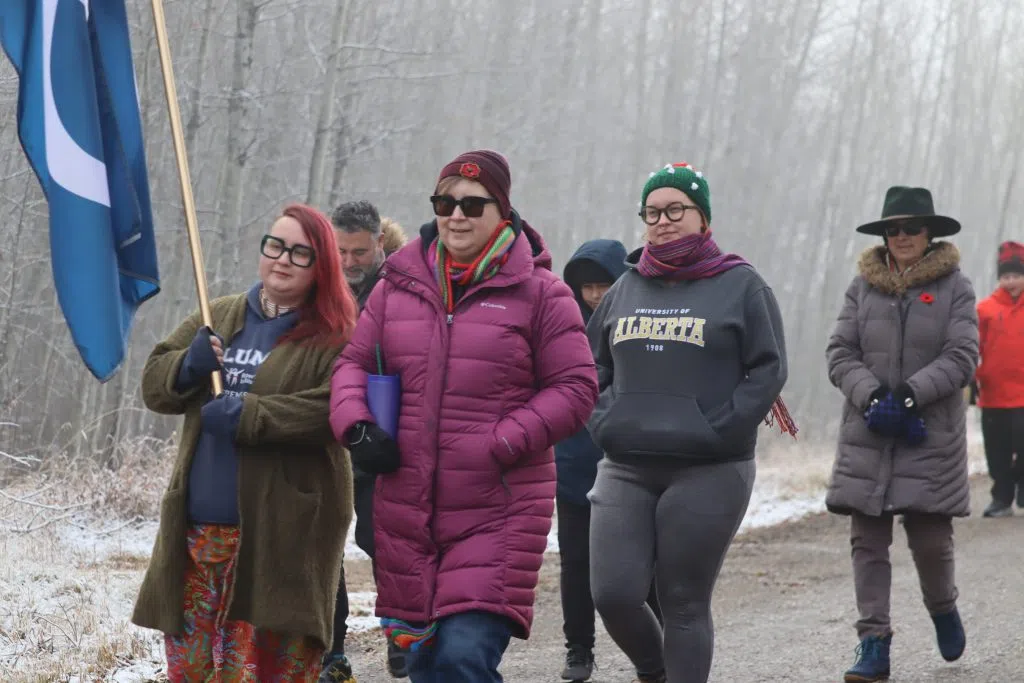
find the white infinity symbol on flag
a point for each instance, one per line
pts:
(68, 164)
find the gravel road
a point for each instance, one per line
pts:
(784, 611)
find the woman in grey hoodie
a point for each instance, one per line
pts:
(690, 360)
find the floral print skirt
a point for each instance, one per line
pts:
(214, 650)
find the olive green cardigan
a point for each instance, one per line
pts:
(294, 488)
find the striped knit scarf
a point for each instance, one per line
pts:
(451, 274)
(409, 637)
(688, 258)
(695, 257)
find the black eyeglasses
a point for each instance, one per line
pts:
(472, 207)
(909, 228)
(299, 254)
(674, 212)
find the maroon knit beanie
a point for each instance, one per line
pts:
(488, 168)
(1011, 258)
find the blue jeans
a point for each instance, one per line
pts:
(468, 648)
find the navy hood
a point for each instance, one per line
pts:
(608, 255)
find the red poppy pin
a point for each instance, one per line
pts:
(926, 298)
(469, 170)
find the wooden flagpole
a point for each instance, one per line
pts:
(191, 223)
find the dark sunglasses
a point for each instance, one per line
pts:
(472, 207)
(909, 228)
(674, 212)
(299, 254)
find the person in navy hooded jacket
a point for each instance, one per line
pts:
(590, 273)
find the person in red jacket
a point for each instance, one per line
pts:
(1000, 380)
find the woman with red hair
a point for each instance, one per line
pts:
(248, 555)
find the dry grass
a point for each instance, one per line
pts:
(59, 629)
(74, 538)
(797, 469)
(794, 469)
(128, 486)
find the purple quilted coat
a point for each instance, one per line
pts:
(486, 392)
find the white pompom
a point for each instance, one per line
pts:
(694, 186)
(652, 174)
(699, 174)
(671, 170)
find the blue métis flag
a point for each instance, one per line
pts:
(79, 123)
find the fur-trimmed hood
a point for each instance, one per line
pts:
(941, 259)
(393, 234)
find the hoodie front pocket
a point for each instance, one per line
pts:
(656, 423)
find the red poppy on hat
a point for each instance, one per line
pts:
(487, 167)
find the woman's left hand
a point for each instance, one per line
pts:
(221, 416)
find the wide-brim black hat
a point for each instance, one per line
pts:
(915, 203)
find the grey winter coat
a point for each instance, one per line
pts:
(921, 328)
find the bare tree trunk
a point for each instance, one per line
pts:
(315, 192)
(641, 106)
(7, 311)
(238, 136)
(933, 45)
(195, 97)
(46, 376)
(722, 57)
(831, 171)
(585, 152)
(934, 120)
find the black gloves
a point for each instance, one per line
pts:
(895, 414)
(373, 450)
(904, 395)
(877, 395)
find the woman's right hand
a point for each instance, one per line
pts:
(372, 449)
(205, 354)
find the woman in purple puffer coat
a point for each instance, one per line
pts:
(495, 368)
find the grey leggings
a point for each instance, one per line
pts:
(684, 515)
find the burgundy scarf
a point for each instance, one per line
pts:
(695, 257)
(692, 257)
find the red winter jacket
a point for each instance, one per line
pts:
(1001, 333)
(486, 393)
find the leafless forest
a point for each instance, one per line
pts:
(800, 112)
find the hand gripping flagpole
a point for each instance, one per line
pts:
(191, 223)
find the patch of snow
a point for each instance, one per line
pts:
(66, 595)
(360, 609)
(770, 509)
(103, 542)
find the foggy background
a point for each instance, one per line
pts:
(800, 113)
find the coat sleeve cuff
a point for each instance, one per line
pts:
(248, 420)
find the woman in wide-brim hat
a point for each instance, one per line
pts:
(910, 206)
(904, 347)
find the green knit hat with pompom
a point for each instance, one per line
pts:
(684, 178)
